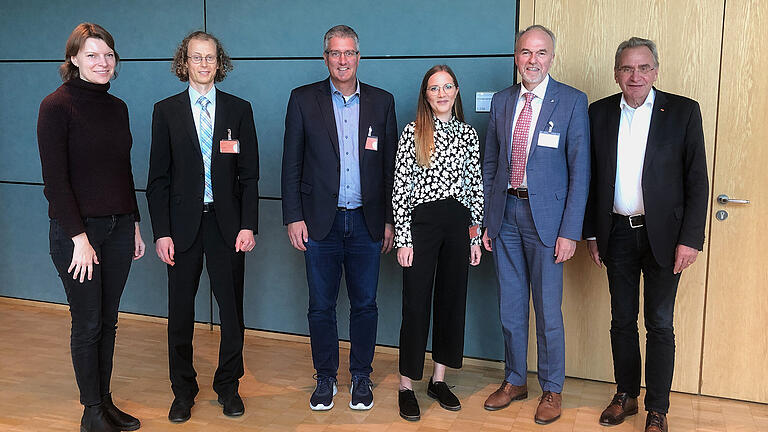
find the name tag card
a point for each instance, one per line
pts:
(474, 231)
(549, 139)
(229, 145)
(372, 143)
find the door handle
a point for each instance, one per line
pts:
(723, 199)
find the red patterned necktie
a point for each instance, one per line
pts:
(520, 142)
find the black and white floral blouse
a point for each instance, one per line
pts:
(453, 172)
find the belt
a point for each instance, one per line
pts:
(521, 193)
(346, 209)
(634, 221)
(207, 207)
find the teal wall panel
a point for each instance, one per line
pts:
(38, 29)
(276, 46)
(274, 28)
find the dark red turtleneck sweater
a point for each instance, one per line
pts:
(85, 149)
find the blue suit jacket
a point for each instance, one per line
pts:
(311, 164)
(558, 179)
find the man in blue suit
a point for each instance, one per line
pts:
(338, 173)
(535, 179)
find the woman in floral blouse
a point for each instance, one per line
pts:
(438, 207)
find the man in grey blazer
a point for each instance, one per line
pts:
(535, 179)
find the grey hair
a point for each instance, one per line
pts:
(343, 31)
(635, 42)
(536, 27)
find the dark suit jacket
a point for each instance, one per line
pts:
(311, 164)
(675, 184)
(175, 184)
(558, 179)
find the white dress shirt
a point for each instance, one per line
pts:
(540, 90)
(630, 156)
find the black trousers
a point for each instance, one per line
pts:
(225, 270)
(93, 304)
(440, 234)
(629, 255)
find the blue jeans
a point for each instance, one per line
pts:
(349, 244)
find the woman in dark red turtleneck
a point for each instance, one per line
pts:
(85, 149)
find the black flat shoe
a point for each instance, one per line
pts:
(180, 411)
(443, 395)
(233, 405)
(409, 406)
(119, 419)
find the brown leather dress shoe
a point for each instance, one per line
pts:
(656, 422)
(502, 397)
(620, 407)
(549, 408)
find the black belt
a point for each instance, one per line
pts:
(634, 221)
(521, 193)
(346, 209)
(207, 207)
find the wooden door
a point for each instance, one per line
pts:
(688, 34)
(736, 324)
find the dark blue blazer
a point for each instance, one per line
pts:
(558, 179)
(311, 164)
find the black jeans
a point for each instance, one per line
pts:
(440, 232)
(93, 304)
(629, 254)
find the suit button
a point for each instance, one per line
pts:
(335, 195)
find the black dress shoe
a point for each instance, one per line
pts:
(118, 418)
(443, 395)
(233, 405)
(181, 410)
(95, 420)
(409, 406)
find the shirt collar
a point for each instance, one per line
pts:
(194, 95)
(648, 100)
(540, 90)
(439, 124)
(335, 91)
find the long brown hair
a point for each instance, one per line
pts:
(76, 40)
(424, 131)
(179, 64)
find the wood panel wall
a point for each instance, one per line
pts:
(688, 34)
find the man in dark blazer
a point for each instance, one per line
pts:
(338, 173)
(535, 178)
(203, 200)
(645, 214)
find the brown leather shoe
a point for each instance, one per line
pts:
(549, 408)
(620, 407)
(656, 422)
(502, 397)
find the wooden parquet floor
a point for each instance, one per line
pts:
(38, 390)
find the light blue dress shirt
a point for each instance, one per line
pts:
(346, 110)
(194, 95)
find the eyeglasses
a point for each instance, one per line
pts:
(448, 88)
(628, 70)
(196, 59)
(336, 54)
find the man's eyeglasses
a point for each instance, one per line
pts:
(642, 69)
(337, 54)
(196, 59)
(448, 88)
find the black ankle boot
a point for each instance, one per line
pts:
(95, 420)
(118, 418)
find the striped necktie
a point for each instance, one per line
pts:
(206, 144)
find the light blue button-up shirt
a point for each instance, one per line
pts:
(194, 95)
(346, 110)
